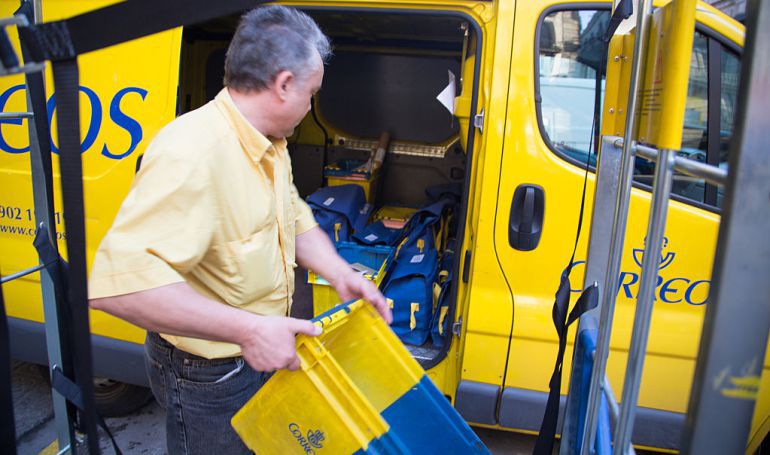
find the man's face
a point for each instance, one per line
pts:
(300, 94)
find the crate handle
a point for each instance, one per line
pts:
(336, 317)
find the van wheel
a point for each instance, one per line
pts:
(114, 398)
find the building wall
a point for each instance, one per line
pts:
(734, 8)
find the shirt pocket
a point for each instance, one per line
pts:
(254, 267)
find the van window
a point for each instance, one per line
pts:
(695, 132)
(570, 50)
(730, 72)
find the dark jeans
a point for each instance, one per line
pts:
(200, 397)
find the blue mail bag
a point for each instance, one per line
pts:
(339, 210)
(376, 234)
(423, 222)
(409, 286)
(440, 325)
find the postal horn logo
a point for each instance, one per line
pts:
(310, 442)
(665, 258)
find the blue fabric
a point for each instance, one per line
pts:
(339, 210)
(447, 261)
(376, 234)
(362, 218)
(586, 345)
(410, 281)
(448, 190)
(422, 223)
(424, 420)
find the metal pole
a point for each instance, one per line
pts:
(609, 294)
(42, 190)
(15, 115)
(708, 172)
(661, 190)
(737, 321)
(22, 273)
(605, 195)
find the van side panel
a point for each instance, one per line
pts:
(128, 92)
(487, 321)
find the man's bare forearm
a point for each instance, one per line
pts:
(177, 309)
(267, 342)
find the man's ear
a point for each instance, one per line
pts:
(282, 84)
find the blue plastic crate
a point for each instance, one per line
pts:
(375, 257)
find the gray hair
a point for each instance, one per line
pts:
(269, 40)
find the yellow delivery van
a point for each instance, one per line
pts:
(517, 85)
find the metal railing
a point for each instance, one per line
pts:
(43, 212)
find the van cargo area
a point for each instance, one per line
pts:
(384, 76)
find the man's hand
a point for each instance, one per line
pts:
(269, 343)
(317, 253)
(352, 285)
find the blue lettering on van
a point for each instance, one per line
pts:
(4, 146)
(93, 126)
(672, 290)
(127, 123)
(117, 116)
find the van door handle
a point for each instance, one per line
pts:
(526, 219)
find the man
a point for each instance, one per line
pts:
(202, 252)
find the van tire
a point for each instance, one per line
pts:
(114, 398)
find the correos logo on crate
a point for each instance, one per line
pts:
(313, 440)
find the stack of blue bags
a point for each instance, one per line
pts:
(418, 281)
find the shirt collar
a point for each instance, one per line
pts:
(254, 143)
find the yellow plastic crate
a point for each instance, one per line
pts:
(374, 257)
(358, 390)
(393, 216)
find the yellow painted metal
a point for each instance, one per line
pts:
(663, 92)
(616, 86)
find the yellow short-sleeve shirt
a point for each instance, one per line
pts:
(213, 205)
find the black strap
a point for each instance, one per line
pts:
(75, 314)
(587, 301)
(121, 22)
(7, 423)
(74, 394)
(8, 57)
(623, 11)
(36, 92)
